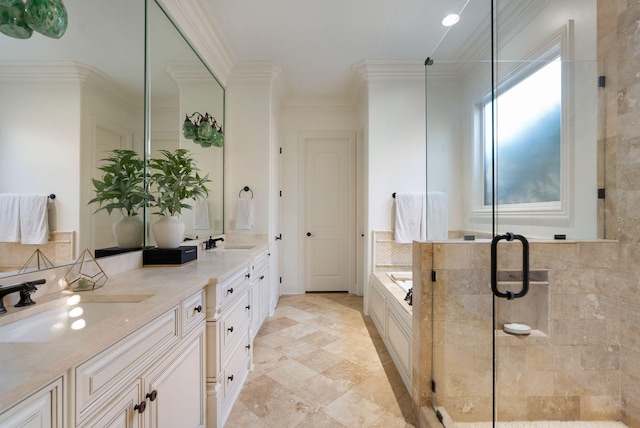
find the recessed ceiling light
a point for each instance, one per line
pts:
(450, 20)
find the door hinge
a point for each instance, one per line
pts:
(280, 150)
(280, 280)
(601, 193)
(280, 193)
(433, 386)
(602, 81)
(433, 276)
(440, 417)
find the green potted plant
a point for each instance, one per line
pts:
(122, 188)
(174, 179)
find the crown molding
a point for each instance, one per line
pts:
(199, 25)
(63, 73)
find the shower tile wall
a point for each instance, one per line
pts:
(573, 370)
(619, 52)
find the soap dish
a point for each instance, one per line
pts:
(515, 328)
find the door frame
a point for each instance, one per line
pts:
(303, 136)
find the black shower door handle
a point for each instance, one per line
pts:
(509, 295)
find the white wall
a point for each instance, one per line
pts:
(40, 128)
(297, 118)
(396, 145)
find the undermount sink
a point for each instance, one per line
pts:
(235, 247)
(66, 316)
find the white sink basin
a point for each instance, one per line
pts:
(234, 247)
(66, 317)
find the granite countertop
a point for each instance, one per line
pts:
(26, 367)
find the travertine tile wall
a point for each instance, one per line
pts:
(619, 53)
(59, 249)
(572, 372)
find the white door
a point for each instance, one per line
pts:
(329, 211)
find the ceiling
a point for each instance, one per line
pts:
(317, 42)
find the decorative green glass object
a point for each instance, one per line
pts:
(12, 19)
(47, 17)
(189, 130)
(205, 130)
(220, 140)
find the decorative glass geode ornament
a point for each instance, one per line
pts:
(85, 274)
(47, 17)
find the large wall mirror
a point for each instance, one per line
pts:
(512, 138)
(65, 103)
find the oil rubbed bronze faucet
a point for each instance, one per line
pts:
(24, 288)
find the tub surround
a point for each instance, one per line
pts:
(26, 367)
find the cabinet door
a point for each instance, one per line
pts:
(265, 295)
(175, 389)
(42, 409)
(126, 411)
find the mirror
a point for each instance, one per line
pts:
(180, 85)
(64, 103)
(513, 142)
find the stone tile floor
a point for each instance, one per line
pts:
(319, 362)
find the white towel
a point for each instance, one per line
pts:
(410, 217)
(437, 216)
(34, 219)
(244, 215)
(9, 217)
(202, 214)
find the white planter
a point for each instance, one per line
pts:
(128, 232)
(168, 232)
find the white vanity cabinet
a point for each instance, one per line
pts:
(154, 377)
(393, 322)
(41, 409)
(228, 343)
(260, 291)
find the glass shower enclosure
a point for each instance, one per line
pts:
(514, 137)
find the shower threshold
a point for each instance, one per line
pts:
(538, 424)
(447, 422)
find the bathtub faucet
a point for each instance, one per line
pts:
(24, 288)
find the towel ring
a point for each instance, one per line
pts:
(245, 189)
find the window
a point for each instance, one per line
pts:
(528, 136)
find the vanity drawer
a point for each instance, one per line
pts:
(234, 325)
(193, 311)
(235, 371)
(222, 294)
(122, 361)
(260, 262)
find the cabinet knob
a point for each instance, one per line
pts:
(152, 395)
(248, 276)
(198, 308)
(262, 277)
(247, 307)
(140, 407)
(230, 378)
(230, 329)
(230, 290)
(248, 346)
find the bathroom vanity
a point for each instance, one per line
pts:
(161, 346)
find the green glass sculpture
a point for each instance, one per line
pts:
(204, 130)
(220, 140)
(189, 130)
(47, 17)
(12, 19)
